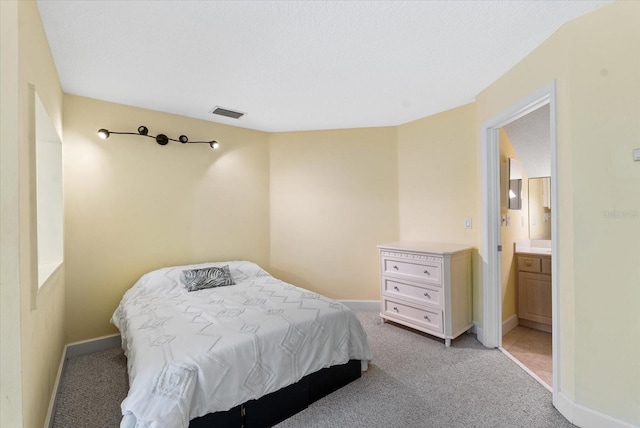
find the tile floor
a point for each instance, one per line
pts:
(532, 348)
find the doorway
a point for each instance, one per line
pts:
(490, 334)
(525, 157)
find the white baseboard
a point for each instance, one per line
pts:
(53, 401)
(362, 305)
(74, 350)
(477, 330)
(564, 405)
(585, 417)
(84, 347)
(509, 324)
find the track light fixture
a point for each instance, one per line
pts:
(161, 139)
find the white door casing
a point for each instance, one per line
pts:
(490, 333)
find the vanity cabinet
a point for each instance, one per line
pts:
(427, 287)
(534, 290)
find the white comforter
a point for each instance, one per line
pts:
(193, 353)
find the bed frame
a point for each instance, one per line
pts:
(279, 405)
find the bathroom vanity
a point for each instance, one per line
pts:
(533, 265)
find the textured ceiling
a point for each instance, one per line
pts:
(295, 65)
(530, 137)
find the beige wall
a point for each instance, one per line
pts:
(133, 206)
(604, 94)
(334, 197)
(518, 229)
(10, 308)
(596, 65)
(438, 171)
(29, 361)
(42, 319)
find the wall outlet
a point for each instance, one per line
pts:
(467, 223)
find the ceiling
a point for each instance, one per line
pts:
(530, 137)
(295, 65)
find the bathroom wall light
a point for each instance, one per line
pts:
(161, 139)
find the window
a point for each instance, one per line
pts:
(49, 194)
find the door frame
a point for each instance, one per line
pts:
(490, 333)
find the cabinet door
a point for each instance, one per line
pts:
(534, 297)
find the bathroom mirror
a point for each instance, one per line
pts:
(514, 196)
(540, 208)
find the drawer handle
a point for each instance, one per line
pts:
(395, 309)
(395, 287)
(395, 267)
(427, 318)
(527, 263)
(427, 295)
(427, 272)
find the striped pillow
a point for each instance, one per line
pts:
(199, 279)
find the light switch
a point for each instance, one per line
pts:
(467, 223)
(508, 220)
(636, 154)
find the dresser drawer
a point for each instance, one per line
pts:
(546, 265)
(529, 264)
(423, 294)
(413, 270)
(427, 318)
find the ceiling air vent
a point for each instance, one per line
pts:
(226, 112)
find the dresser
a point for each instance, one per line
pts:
(534, 290)
(427, 286)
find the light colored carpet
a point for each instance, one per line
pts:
(413, 381)
(91, 390)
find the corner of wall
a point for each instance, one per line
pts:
(41, 309)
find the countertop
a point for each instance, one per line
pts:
(542, 247)
(425, 247)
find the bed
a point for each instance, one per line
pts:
(248, 351)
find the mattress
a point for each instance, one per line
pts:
(194, 353)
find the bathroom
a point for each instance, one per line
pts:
(525, 157)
